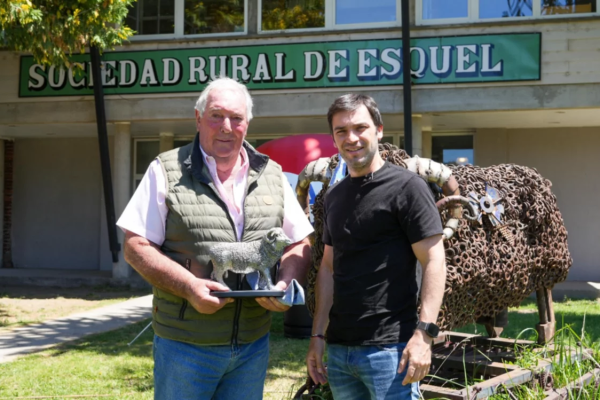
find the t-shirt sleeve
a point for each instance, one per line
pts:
(146, 212)
(418, 213)
(296, 225)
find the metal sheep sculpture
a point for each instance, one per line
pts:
(244, 258)
(504, 236)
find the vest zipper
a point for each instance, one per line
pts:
(188, 266)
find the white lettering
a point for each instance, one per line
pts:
(335, 63)
(52, 77)
(124, 67)
(197, 65)
(38, 80)
(446, 59)
(486, 61)
(263, 70)
(171, 65)
(90, 75)
(108, 73)
(289, 76)
(320, 65)
(464, 57)
(420, 71)
(213, 67)
(71, 75)
(243, 67)
(148, 74)
(391, 61)
(364, 62)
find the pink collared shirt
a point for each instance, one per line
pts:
(235, 205)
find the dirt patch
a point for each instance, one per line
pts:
(23, 305)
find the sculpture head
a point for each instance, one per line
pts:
(277, 239)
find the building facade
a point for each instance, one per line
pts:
(514, 81)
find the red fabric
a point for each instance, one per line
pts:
(294, 152)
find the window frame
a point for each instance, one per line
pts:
(473, 15)
(180, 25)
(330, 24)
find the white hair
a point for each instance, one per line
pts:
(225, 83)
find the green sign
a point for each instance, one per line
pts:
(435, 60)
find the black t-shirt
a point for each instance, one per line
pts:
(371, 222)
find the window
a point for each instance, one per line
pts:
(327, 14)
(361, 12)
(150, 17)
(443, 11)
(505, 9)
(145, 150)
(292, 14)
(452, 149)
(553, 7)
(176, 18)
(213, 16)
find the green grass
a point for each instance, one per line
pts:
(567, 312)
(103, 364)
(100, 364)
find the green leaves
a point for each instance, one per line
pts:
(53, 30)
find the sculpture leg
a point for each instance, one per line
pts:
(494, 326)
(547, 325)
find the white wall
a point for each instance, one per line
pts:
(569, 158)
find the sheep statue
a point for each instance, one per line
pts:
(244, 258)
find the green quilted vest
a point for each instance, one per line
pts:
(196, 219)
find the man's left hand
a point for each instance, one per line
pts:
(271, 303)
(416, 357)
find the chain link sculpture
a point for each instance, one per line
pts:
(509, 241)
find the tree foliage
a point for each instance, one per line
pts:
(220, 16)
(292, 14)
(53, 30)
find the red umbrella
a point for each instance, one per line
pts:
(294, 152)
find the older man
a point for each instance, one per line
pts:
(378, 222)
(216, 189)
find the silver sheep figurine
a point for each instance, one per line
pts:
(244, 258)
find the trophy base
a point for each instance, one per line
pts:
(248, 293)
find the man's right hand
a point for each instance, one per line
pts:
(314, 361)
(200, 298)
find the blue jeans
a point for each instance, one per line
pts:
(368, 372)
(185, 371)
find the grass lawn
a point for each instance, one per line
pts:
(573, 313)
(104, 365)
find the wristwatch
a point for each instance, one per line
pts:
(431, 329)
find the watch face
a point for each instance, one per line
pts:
(433, 330)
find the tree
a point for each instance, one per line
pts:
(53, 30)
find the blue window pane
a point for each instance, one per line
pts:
(442, 9)
(360, 11)
(458, 156)
(505, 8)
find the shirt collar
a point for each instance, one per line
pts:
(210, 160)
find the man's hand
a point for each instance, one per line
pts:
(271, 303)
(314, 361)
(199, 296)
(417, 356)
